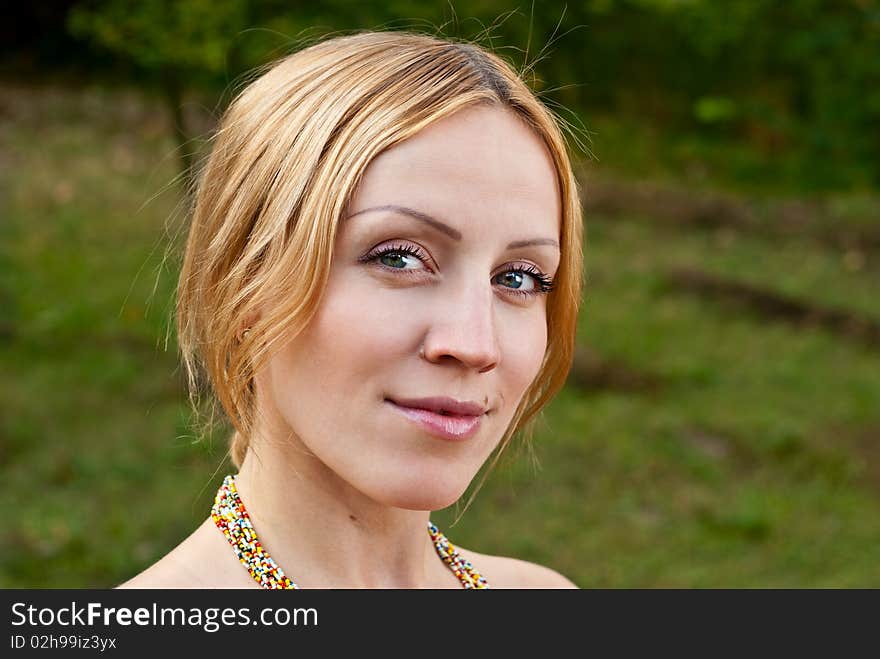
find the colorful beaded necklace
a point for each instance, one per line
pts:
(231, 517)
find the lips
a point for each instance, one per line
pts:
(442, 405)
(439, 420)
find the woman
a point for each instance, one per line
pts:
(381, 284)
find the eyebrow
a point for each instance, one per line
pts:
(445, 228)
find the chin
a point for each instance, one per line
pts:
(430, 493)
(419, 501)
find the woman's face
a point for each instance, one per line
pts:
(434, 291)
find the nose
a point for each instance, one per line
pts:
(465, 330)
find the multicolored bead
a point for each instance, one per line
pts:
(231, 517)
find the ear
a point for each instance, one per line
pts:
(249, 321)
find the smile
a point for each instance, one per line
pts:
(444, 426)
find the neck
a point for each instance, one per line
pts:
(325, 534)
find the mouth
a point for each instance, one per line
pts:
(441, 423)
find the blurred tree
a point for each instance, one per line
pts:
(173, 43)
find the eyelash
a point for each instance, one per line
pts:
(545, 283)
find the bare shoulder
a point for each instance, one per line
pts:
(505, 572)
(202, 560)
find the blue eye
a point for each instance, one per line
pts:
(514, 278)
(397, 257)
(543, 283)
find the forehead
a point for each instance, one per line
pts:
(482, 169)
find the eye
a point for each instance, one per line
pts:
(396, 257)
(516, 276)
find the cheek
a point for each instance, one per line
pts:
(357, 325)
(352, 339)
(523, 346)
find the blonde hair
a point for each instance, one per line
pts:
(287, 157)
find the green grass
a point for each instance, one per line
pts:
(754, 464)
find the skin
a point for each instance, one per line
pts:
(338, 484)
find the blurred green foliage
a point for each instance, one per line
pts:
(157, 34)
(799, 77)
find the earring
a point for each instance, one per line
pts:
(244, 334)
(422, 352)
